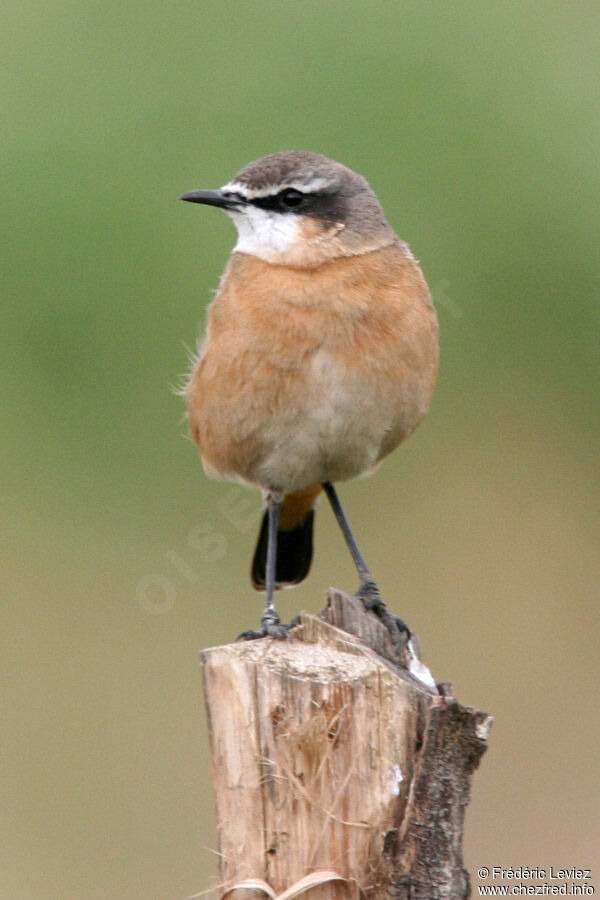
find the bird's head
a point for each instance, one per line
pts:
(300, 209)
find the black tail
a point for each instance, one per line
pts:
(294, 553)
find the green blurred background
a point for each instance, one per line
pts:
(477, 124)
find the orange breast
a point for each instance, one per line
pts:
(310, 372)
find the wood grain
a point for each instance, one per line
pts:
(328, 757)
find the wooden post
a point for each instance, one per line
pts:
(337, 772)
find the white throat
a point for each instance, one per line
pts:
(264, 233)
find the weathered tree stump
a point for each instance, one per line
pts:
(332, 761)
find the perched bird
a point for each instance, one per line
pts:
(320, 356)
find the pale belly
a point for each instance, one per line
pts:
(338, 427)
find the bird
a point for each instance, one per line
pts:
(320, 357)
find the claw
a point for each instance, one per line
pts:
(270, 626)
(368, 592)
(399, 631)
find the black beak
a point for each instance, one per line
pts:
(223, 199)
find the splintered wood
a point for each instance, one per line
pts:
(319, 751)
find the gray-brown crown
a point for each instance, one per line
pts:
(297, 168)
(332, 191)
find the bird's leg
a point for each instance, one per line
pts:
(368, 591)
(270, 616)
(270, 624)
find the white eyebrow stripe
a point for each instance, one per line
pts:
(251, 193)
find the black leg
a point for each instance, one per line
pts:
(270, 624)
(368, 591)
(363, 569)
(270, 615)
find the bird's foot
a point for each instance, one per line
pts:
(270, 626)
(371, 599)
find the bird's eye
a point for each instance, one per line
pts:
(291, 198)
